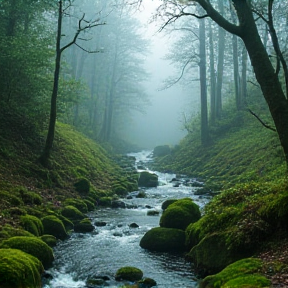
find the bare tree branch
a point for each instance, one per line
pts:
(262, 122)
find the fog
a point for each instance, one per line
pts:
(163, 120)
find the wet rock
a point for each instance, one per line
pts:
(118, 204)
(134, 225)
(148, 179)
(117, 234)
(129, 273)
(100, 223)
(141, 194)
(148, 207)
(152, 213)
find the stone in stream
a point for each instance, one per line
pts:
(147, 179)
(100, 223)
(134, 225)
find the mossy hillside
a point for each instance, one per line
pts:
(244, 152)
(243, 273)
(19, 269)
(31, 245)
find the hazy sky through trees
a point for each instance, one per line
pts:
(162, 124)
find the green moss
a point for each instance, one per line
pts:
(29, 197)
(78, 203)
(105, 201)
(180, 214)
(129, 273)
(54, 226)
(90, 204)
(166, 203)
(32, 224)
(7, 231)
(50, 240)
(147, 179)
(10, 198)
(66, 222)
(19, 269)
(72, 213)
(243, 273)
(82, 186)
(83, 226)
(32, 246)
(163, 239)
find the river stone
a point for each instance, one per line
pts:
(100, 223)
(118, 204)
(147, 179)
(134, 225)
(129, 273)
(163, 240)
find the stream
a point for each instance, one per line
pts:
(101, 253)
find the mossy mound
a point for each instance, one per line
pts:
(19, 269)
(147, 179)
(180, 214)
(213, 254)
(90, 204)
(50, 240)
(105, 201)
(163, 240)
(30, 197)
(7, 231)
(32, 224)
(11, 199)
(243, 273)
(166, 203)
(32, 246)
(66, 222)
(72, 213)
(84, 226)
(78, 203)
(129, 273)
(162, 150)
(54, 226)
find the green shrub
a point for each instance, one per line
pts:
(54, 226)
(19, 269)
(129, 273)
(32, 246)
(32, 224)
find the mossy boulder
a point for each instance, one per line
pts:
(84, 226)
(212, 254)
(50, 240)
(7, 231)
(10, 198)
(30, 197)
(72, 213)
(33, 246)
(163, 240)
(32, 224)
(82, 186)
(129, 273)
(180, 214)
(105, 201)
(78, 203)
(54, 226)
(66, 222)
(147, 179)
(243, 273)
(161, 150)
(166, 203)
(19, 269)
(90, 204)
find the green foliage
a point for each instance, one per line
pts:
(32, 246)
(129, 273)
(19, 269)
(243, 273)
(163, 240)
(32, 224)
(54, 226)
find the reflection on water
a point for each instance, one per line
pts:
(108, 248)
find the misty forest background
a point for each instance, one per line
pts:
(102, 83)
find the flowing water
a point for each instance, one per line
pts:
(110, 247)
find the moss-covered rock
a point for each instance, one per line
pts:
(32, 224)
(33, 246)
(161, 150)
(243, 273)
(7, 231)
(84, 226)
(66, 222)
(180, 214)
(78, 203)
(166, 203)
(105, 201)
(163, 239)
(30, 197)
(50, 240)
(90, 204)
(129, 273)
(147, 179)
(10, 198)
(54, 226)
(213, 254)
(82, 186)
(19, 269)
(72, 213)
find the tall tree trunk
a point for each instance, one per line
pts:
(203, 84)
(220, 64)
(53, 108)
(212, 77)
(236, 72)
(243, 95)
